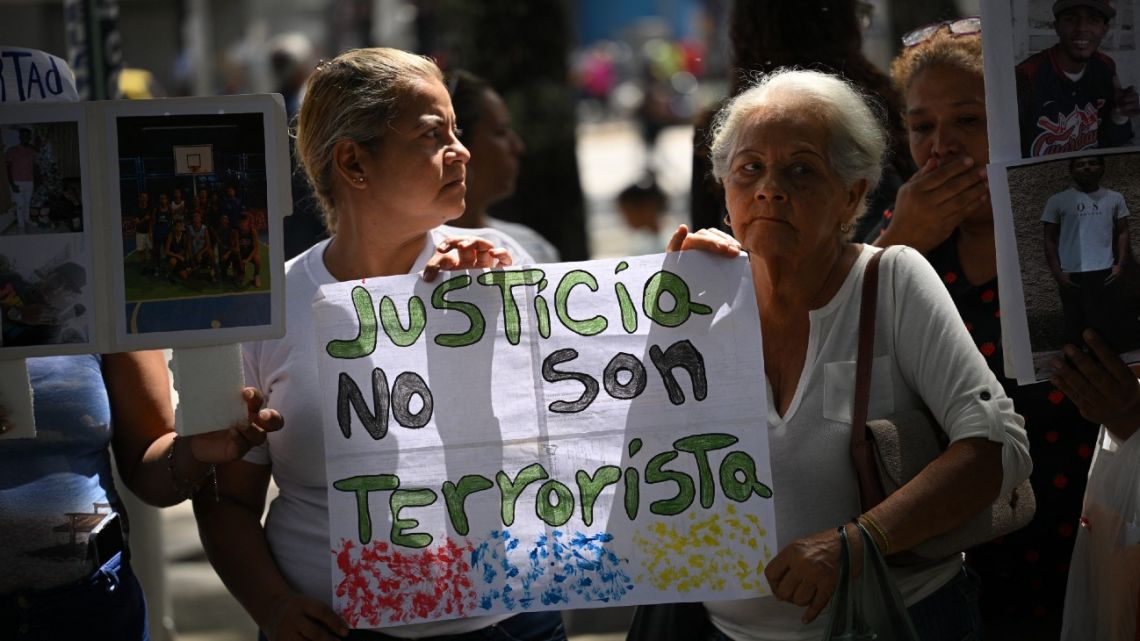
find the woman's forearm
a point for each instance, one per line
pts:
(954, 487)
(166, 476)
(235, 543)
(138, 389)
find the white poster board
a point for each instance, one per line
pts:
(546, 437)
(33, 76)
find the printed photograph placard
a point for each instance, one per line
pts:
(46, 241)
(199, 199)
(1061, 82)
(1068, 241)
(43, 189)
(547, 437)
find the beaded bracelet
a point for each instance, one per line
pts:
(185, 487)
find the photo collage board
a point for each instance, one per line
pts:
(1063, 117)
(130, 225)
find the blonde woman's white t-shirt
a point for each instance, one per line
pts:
(297, 526)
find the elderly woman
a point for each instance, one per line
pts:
(797, 153)
(485, 129)
(377, 138)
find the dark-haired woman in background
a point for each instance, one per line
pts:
(944, 211)
(485, 129)
(825, 35)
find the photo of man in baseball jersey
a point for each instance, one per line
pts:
(1087, 250)
(1069, 96)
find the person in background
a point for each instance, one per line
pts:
(1103, 596)
(79, 584)
(178, 205)
(202, 203)
(248, 250)
(377, 139)
(944, 211)
(826, 35)
(231, 205)
(176, 252)
(202, 254)
(229, 263)
(485, 129)
(642, 205)
(291, 60)
(144, 232)
(161, 224)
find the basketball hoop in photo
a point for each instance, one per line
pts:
(193, 160)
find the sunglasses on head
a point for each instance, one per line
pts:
(958, 27)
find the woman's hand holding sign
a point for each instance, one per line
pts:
(297, 616)
(711, 240)
(465, 252)
(232, 443)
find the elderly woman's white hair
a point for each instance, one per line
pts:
(856, 139)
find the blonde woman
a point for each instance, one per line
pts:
(376, 136)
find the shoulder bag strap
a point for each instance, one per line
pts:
(862, 452)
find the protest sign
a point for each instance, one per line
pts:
(31, 76)
(546, 437)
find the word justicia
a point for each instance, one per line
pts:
(372, 319)
(555, 502)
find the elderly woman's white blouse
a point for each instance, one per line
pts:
(923, 355)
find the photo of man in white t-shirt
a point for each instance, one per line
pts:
(1087, 249)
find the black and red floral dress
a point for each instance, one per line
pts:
(1024, 574)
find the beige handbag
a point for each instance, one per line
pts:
(889, 452)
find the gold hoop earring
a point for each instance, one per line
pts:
(727, 221)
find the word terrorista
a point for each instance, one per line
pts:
(555, 503)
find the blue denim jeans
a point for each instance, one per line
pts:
(106, 606)
(528, 626)
(949, 614)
